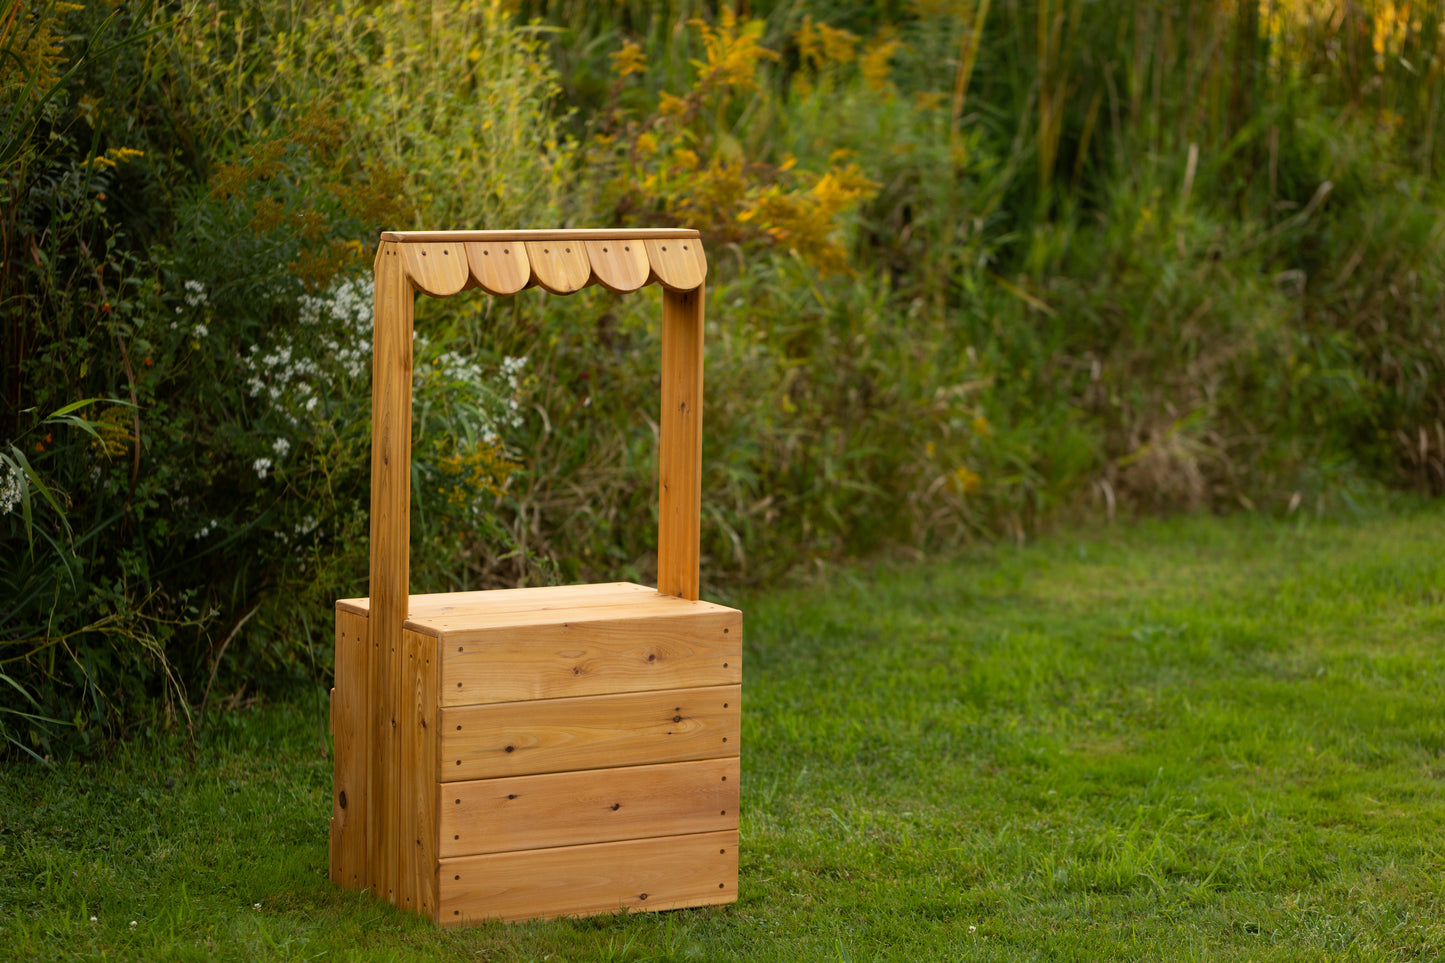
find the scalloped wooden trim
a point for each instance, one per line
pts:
(438, 268)
(678, 264)
(559, 266)
(443, 263)
(499, 267)
(565, 234)
(619, 264)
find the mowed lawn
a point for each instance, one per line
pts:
(1196, 739)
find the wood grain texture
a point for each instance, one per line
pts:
(679, 505)
(593, 806)
(559, 266)
(349, 731)
(459, 614)
(592, 656)
(439, 269)
(592, 732)
(678, 264)
(670, 872)
(390, 558)
(560, 234)
(499, 267)
(419, 791)
(620, 265)
(512, 600)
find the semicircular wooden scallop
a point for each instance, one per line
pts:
(559, 266)
(439, 268)
(499, 267)
(619, 265)
(679, 264)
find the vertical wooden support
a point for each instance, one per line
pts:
(680, 458)
(417, 816)
(350, 727)
(390, 560)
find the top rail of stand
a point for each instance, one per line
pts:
(443, 263)
(562, 234)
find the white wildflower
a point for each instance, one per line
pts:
(281, 446)
(12, 486)
(261, 466)
(200, 331)
(196, 294)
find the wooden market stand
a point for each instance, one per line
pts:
(537, 752)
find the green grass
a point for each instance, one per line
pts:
(1193, 739)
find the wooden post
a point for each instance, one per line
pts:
(679, 500)
(391, 362)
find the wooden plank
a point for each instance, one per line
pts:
(438, 269)
(670, 872)
(482, 618)
(465, 625)
(592, 657)
(499, 267)
(619, 266)
(562, 234)
(349, 731)
(420, 606)
(593, 806)
(679, 509)
(419, 792)
(680, 265)
(478, 611)
(559, 266)
(390, 546)
(592, 732)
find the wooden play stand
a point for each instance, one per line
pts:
(537, 752)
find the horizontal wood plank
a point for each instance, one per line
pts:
(591, 656)
(670, 872)
(562, 234)
(593, 806)
(511, 601)
(421, 606)
(444, 614)
(594, 732)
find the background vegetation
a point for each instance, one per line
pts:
(973, 264)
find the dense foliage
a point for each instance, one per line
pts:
(972, 263)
